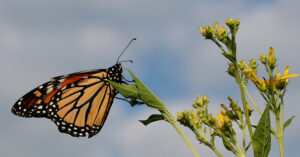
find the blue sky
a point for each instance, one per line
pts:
(43, 39)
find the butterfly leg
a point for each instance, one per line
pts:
(127, 80)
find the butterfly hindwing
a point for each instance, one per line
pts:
(79, 107)
(31, 104)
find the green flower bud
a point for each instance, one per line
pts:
(241, 66)
(233, 25)
(229, 22)
(207, 32)
(205, 100)
(277, 76)
(200, 113)
(263, 87)
(221, 33)
(237, 22)
(211, 119)
(230, 69)
(271, 58)
(253, 64)
(198, 103)
(263, 58)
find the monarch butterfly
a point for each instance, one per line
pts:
(77, 103)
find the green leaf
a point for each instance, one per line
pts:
(146, 95)
(152, 118)
(288, 122)
(128, 91)
(230, 57)
(262, 135)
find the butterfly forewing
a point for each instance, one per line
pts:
(78, 103)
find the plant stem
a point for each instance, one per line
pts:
(216, 151)
(169, 117)
(279, 135)
(280, 141)
(256, 107)
(251, 99)
(202, 138)
(240, 152)
(244, 139)
(240, 83)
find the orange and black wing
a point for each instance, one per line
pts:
(78, 103)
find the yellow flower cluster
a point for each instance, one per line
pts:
(262, 84)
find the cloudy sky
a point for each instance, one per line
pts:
(43, 39)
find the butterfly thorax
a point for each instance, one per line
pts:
(114, 73)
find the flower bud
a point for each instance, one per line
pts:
(207, 32)
(241, 65)
(249, 108)
(221, 33)
(200, 113)
(229, 22)
(195, 119)
(277, 76)
(253, 64)
(233, 25)
(230, 69)
(179, 115)
(205, 100)
(271, 58)
(263, 58)
(262, 86)
(211, 120)
(199, 102)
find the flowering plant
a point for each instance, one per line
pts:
(204, 125)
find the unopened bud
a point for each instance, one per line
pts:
(263, 58)
(253, 64)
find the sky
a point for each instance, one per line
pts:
(43, 39)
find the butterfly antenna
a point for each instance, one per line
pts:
(125, 49)
(126, 61)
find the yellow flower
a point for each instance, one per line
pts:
(221, 32)
(282, 79)
(262, 84)
(195, 119)
(223, 119)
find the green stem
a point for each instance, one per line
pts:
(240, 83)
(279, 135)
(256, 107)
(280, 140)
(240, 153)
(216, 151)
(251, 99)
(220, 46)
(202, 138)
(169, 117)
(244, 139)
